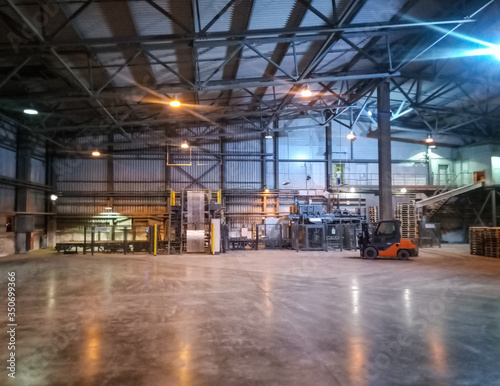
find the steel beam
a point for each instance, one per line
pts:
(207, 38)
(168, 15)
(26, 21)
(84, 87)
(70, 19)
(270, 61)
(14, 71)
(403, 64)
(218, 16)
(167, 67)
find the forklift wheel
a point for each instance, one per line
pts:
(403, 254)
(370, 253)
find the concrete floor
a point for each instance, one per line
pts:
(255, 318)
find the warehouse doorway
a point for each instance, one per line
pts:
(442, 175)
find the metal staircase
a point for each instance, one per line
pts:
(442, 195)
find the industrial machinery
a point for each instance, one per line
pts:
(385, 241)
(314, 229)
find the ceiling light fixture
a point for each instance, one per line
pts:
(96, 153)
(30, 111)
(306, 93)
(266, 190)
(370, 113)
(429, 139)
(351, 136)
(403, 190)
(53, 197)
(174, 102)
(352, 190)
(269, 135)
(184, 145)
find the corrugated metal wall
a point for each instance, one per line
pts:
(139, 175)
(302, 153)
(7, 199)
(7, 163)
(84, 175)
(37, 171)
(36, 201)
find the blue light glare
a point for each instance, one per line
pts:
(486, 47)
(493, 50)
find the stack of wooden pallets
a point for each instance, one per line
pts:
(492, 242)
(476, 240)
(407, 214)
(373, 214)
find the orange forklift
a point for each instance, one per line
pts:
(385, 241)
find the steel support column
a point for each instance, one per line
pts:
(263, 162)
(329, 161)
(23, 173)
(276, 157)
(494, 208)
(384, 151)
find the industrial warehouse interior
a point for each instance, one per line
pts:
(249, 192)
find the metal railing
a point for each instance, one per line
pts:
(403, 179)
(447, 180)
(398, 179)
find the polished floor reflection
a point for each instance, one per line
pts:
(255, 318)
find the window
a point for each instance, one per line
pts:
(386, 228)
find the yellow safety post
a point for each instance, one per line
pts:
(219, 196)
(172, 198)
(155, 242)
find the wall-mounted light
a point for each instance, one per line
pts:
(95, 153)
(306, 93)
(184, 145)
(403, 190)
(351, 136)
(30, 111)
(53, 197)
(429, 139)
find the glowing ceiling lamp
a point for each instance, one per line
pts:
(266, 190)
(403, 190)
(30, 111)
(96, 153)
(429, 139)
(351, 136)
(175, 102)
(306, 93)
(184, 145)
(53, 197)
(352, 190)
